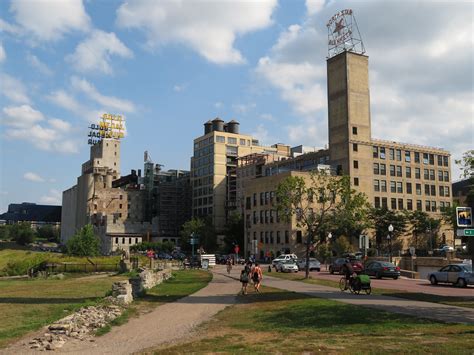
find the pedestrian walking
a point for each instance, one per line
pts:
(244, 279)
(257, 276)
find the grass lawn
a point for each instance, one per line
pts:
(183, 283)
(279, 321)
(27, 305)
(416, 296)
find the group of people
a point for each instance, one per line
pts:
(252, 273)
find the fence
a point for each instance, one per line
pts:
(74, 267)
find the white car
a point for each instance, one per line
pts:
(286, 266)
(446, 248)
(314, 264)
(284, 257)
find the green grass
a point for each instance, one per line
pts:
(27, 305)
(416, 296)
(183, 283)
(284, 322)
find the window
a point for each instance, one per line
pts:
(393, 203)
(440, 160)
(431, 156)
(418, 205)
(409, 191)
(384, 203)
(446, 176)
(220, 139)
(446, 191)
(120, 206)
(266, 237)
(407, 156)
(383, 185)
(271, 237)
(440, 175)
(255, 199)
(426, 174)
(441, 191)
(377, 202)
(254, 217)
(242, 141)
(425, 158)
(382, 152)
(409, 205)
(418, 189)
(399, 154)
(231, 140)
(393, 187)
(376, 168)
(382, 169)
(417, 173)
(262, 196)
(417, 157)
(375, 152)
(432, 174)
(266, 216)
(433, 206)
(356, 164)
(355, 147)
(391, 153)
(278, 237)
(354, 130)
(116, 240)
(427, 190)
(392, 170)
(445, 161)
(376, 185)
(399, 171)
(433, 190)
(247, 203)
(356, 181)
(267, 197)
(441, 205)
(299, 237)
(399, 187)
(400, 203)
(262, 219)
(261, 237)
(287, 237)
(408, 172)
(427, 206)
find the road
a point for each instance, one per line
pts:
(408, 285)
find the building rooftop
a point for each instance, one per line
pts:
(415, 146)
(26, 211)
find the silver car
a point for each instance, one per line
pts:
(286, 266)
(314, 264)
(456, 274)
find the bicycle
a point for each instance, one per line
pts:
(354, 287)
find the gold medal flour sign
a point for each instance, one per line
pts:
(109, 126)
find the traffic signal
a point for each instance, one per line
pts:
(464, 216)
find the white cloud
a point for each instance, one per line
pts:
(33, 177)
(38, 64)
(314, 6)
(50, 20)
(54, 197)
(261, 133)
(64, 100)
(23, 116)
(94, 53)
(243, 109)
(211, 33)
(267, 117)
(180, 87)
(110, 102)
(3, 54)
(59, 125)
(9, 28)
(13, 89)
(218, 105)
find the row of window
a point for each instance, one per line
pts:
(202, 211)
(202, 201)
(264, 217)
(126, 240)
(396, 154)
(266, 198)
(397, 170)
(270, 237)
(398, 204)
(397, 187)
(202, 191)
(203, 181)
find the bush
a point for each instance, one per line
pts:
(84, 243)
(22, 233)
(342, 245)
(48, 232)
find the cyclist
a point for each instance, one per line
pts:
(348, 271)
(229, 265)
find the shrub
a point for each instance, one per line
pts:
(22, 233)
(84, 243)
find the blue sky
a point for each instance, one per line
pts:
(169, 66)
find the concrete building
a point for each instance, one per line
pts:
(213, 168)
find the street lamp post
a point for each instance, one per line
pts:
(389, 239)
(329, 243)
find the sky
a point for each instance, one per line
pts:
(169, 66)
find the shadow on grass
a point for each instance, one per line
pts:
(38, 300)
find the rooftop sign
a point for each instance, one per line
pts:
(343, 34)
(109, 127)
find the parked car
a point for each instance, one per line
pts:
(284, 257)
(336, 266)
(381, 269)
(456, 274)
(286, 266)
(314, 264)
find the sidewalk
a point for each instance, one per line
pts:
(428, 310)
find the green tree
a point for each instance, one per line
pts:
(343, 245)
(22, 233)
(424, 229)
(203, 230)
(5, 232)
(84, 243)
(48, 232)
(234, 232)
(382, 218)
(324, 252)
(311, 204)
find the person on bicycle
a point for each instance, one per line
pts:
(229, 265)
(348, 271)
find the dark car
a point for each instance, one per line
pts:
(381, 269)
(337, 264)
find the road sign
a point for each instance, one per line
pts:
(469, 232)
(464, 216)
(193, 241)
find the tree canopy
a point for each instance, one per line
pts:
(84, 242)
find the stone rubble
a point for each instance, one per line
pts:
(80, 325)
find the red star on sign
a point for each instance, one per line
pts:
(339, 26)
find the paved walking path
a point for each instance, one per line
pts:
(434, 311)
(167, 323)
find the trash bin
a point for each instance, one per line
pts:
(205, 264)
